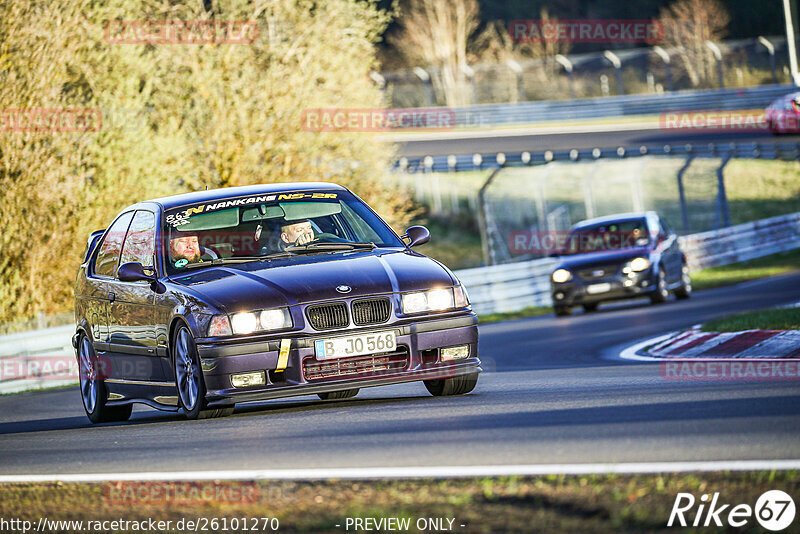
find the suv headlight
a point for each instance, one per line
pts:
(561, 275)
(249, 322)
(426, 301)
(639, 264)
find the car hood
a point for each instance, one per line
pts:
(302, 279)
(610, 257)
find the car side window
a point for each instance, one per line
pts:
(141, 239)
(107, 260)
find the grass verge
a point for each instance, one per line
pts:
(556, 503)
(771, 265)
(772, 319)
(532, 311)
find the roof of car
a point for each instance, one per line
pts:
(229, 192)
(617, 217)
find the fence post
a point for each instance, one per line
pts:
(588, 193)
(722, 198)
(636, 186)
(482, 218)
(682, 194)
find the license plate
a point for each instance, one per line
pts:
(598, 288)
(356, 345)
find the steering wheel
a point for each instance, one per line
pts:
(205, 251)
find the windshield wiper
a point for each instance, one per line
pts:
(324, 247)
(232, 259)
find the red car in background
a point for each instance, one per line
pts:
(783, 115)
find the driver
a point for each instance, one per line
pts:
(184, 247)
(297, 233)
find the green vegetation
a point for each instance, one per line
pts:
(175, 118)
(455, 243)
(783, 262)
(772, 319)
(555, 503)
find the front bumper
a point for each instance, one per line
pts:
(620, 286)
(417, 358)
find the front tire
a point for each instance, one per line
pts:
(189, 378)
(685, 291)
(337, 395)
(94, 393)
(458, 385)
(662, 292)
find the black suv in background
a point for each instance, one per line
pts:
(618, 257)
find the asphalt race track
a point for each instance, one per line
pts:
(552, 393)
(538, 143)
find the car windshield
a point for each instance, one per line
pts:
(271, 225)
(607, 236)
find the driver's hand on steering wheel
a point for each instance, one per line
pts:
(305, 238)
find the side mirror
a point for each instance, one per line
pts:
(134, 272)
(417, 235)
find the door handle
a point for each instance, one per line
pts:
(111, 296)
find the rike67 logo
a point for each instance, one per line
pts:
(774, 510)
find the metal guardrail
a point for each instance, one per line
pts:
(35, 359)
(494, 289)
(618, 106)
(508, 287)
(473, 162)
(742, 242)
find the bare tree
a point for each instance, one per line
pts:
(436, 33)
(496, 44)
(688, 24)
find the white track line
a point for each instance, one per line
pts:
(366, 473)
(629, 353)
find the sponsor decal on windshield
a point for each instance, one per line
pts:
(182, 217)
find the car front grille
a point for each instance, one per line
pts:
(358, 367)
(328, 316)
(597, 273)
(371, 311)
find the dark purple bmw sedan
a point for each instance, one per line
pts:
(199, 301)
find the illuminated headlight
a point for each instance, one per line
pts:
(275, 319)
(561, 275)
(639, 264)
(243, 380)
(219, 326)
(455, 353)
(244, 323)
(424, 301)
(265, 320)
